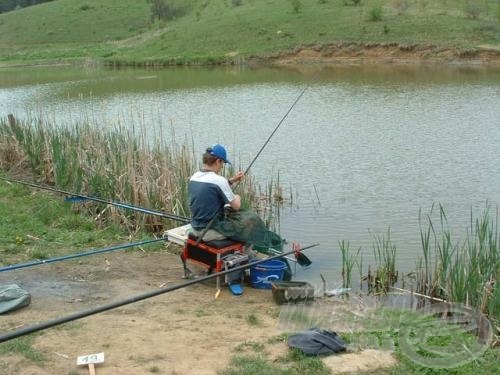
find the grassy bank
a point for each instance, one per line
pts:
(197, 31)
(36, 225)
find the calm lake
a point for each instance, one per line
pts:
(363, 151)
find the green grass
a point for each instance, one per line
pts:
(253, 319)
(23, 346)
(213, 31)
(36, 225)
(293, 363)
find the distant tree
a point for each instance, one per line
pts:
(8, 5)
(161, 10)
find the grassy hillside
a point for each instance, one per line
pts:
(121, 30)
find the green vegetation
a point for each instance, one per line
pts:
(39, 226)
(457, 270)
(198, 31)
(379, 329)
(130, 166)
(23, 346)
(348, 261)
(252, 319)
(294, 363)
(118, 165)
(462, 271)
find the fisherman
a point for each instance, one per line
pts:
(209, 192)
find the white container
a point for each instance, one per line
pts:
(179, 235)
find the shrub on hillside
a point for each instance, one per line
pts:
(163, 10)
(352, 2)
(375, 13)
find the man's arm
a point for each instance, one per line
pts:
(236, 203)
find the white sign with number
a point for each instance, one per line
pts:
(91, 358)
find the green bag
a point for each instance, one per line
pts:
(13, 297)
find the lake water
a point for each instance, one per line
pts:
(363, 150)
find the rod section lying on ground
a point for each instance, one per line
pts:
(79, 255)
(82, 314)
(127, 206)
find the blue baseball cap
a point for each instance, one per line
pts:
(219, 152)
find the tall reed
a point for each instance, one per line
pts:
(127, 165)
(464, 271)
(349, 259)
(384, 251)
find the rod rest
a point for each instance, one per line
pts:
(216, 244)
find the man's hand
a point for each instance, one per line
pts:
(236, 178)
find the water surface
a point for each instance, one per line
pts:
(363, 151)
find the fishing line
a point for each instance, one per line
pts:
(82, 314)
(72, 196)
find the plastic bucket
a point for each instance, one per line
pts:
(262, 275)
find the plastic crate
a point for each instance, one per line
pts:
(292, 292)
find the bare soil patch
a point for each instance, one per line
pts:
(388, 53)
(186, 331)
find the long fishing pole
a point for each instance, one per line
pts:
(275, 129)
(82, 314)
(211, 222)
(79, 255)
(143, 210)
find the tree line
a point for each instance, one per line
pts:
(8, 5)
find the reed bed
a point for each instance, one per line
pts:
(126, 165)
(449, 269)
(464, 271)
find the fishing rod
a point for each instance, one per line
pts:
(82, 314)
(211, 222)
(71, 197)
(274, 131)
(79, 255)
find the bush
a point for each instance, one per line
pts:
(296, 5)
(162, 10)
(85, 7)
(352, 2)
(375, 13)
